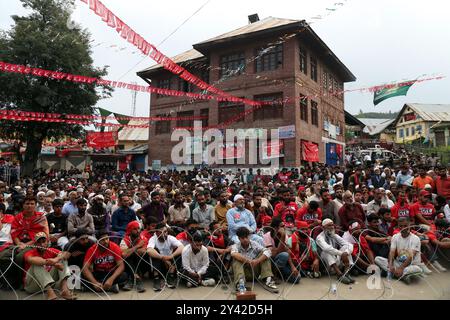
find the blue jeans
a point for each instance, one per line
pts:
(281, 262)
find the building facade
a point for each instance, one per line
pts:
(423, 123)
(251, 62)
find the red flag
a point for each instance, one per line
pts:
(310, 151)
(100, 140)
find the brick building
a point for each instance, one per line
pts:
(302, 65)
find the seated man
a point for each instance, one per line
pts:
(45, 268)
(122, 217)
(362, 254)
(196, 269)
(190, 228)
(134, 251)
(6, 248)
(378, 240)
(303, 250)
(57, 223)
(163, 249)
(336, 252)
(240, 217)
(103, 266)
(251, 260)
(80, 220)
(404, 256)
(219, 249)
(311, 213)
(150, 224)
(24, 227)
(275, 240)
(78, 247)
(204, 213)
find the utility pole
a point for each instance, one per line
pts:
(133, 101)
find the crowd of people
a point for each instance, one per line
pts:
(206, 226)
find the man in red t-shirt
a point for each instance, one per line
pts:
(303, 250)
(402, 208)
(424, 211)
(443, 184)
(311, 214)
(286, 208)
(103, 265)
(45, 268)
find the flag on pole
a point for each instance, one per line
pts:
(386, 93)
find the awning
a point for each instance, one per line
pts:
(141, 149)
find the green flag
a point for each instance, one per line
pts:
(386, 93)
(104, 113)
(121, 121)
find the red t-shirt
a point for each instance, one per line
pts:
(284, 177)
(50, 253)
(103, 261)
(443, 187)
(304, 215)
(427, 210)
(399, 211)
(283, 210)
(182, 236)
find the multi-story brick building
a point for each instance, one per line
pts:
(298, 65)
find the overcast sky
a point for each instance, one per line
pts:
(379, 41)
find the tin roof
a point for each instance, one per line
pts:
(267, 23)
(431, 112)
(427, 112)
(182, 57)
(259, 28)
(134, 134)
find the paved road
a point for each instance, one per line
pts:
(434, 287)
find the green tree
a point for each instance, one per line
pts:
(45, 39)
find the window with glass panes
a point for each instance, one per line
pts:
(303, 60)
(162, 127)
(232, 64)
(185, 86)
(228, 110)
(185, 123)
(325, 82)
(314, 69)
(314, 114)
(163, 84)
(304, 108)
(269, 111)
(271, 59)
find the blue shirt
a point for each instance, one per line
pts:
(69, 208)
(402, 178)
(237, 218)
(120, 219)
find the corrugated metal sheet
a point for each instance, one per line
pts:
(182, 57)
(267, 23)
(375, 126)
(134, 134)
(431, 112)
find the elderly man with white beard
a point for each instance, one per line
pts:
(335, 252)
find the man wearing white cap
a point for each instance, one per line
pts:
(335, 251)
(238, 217)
